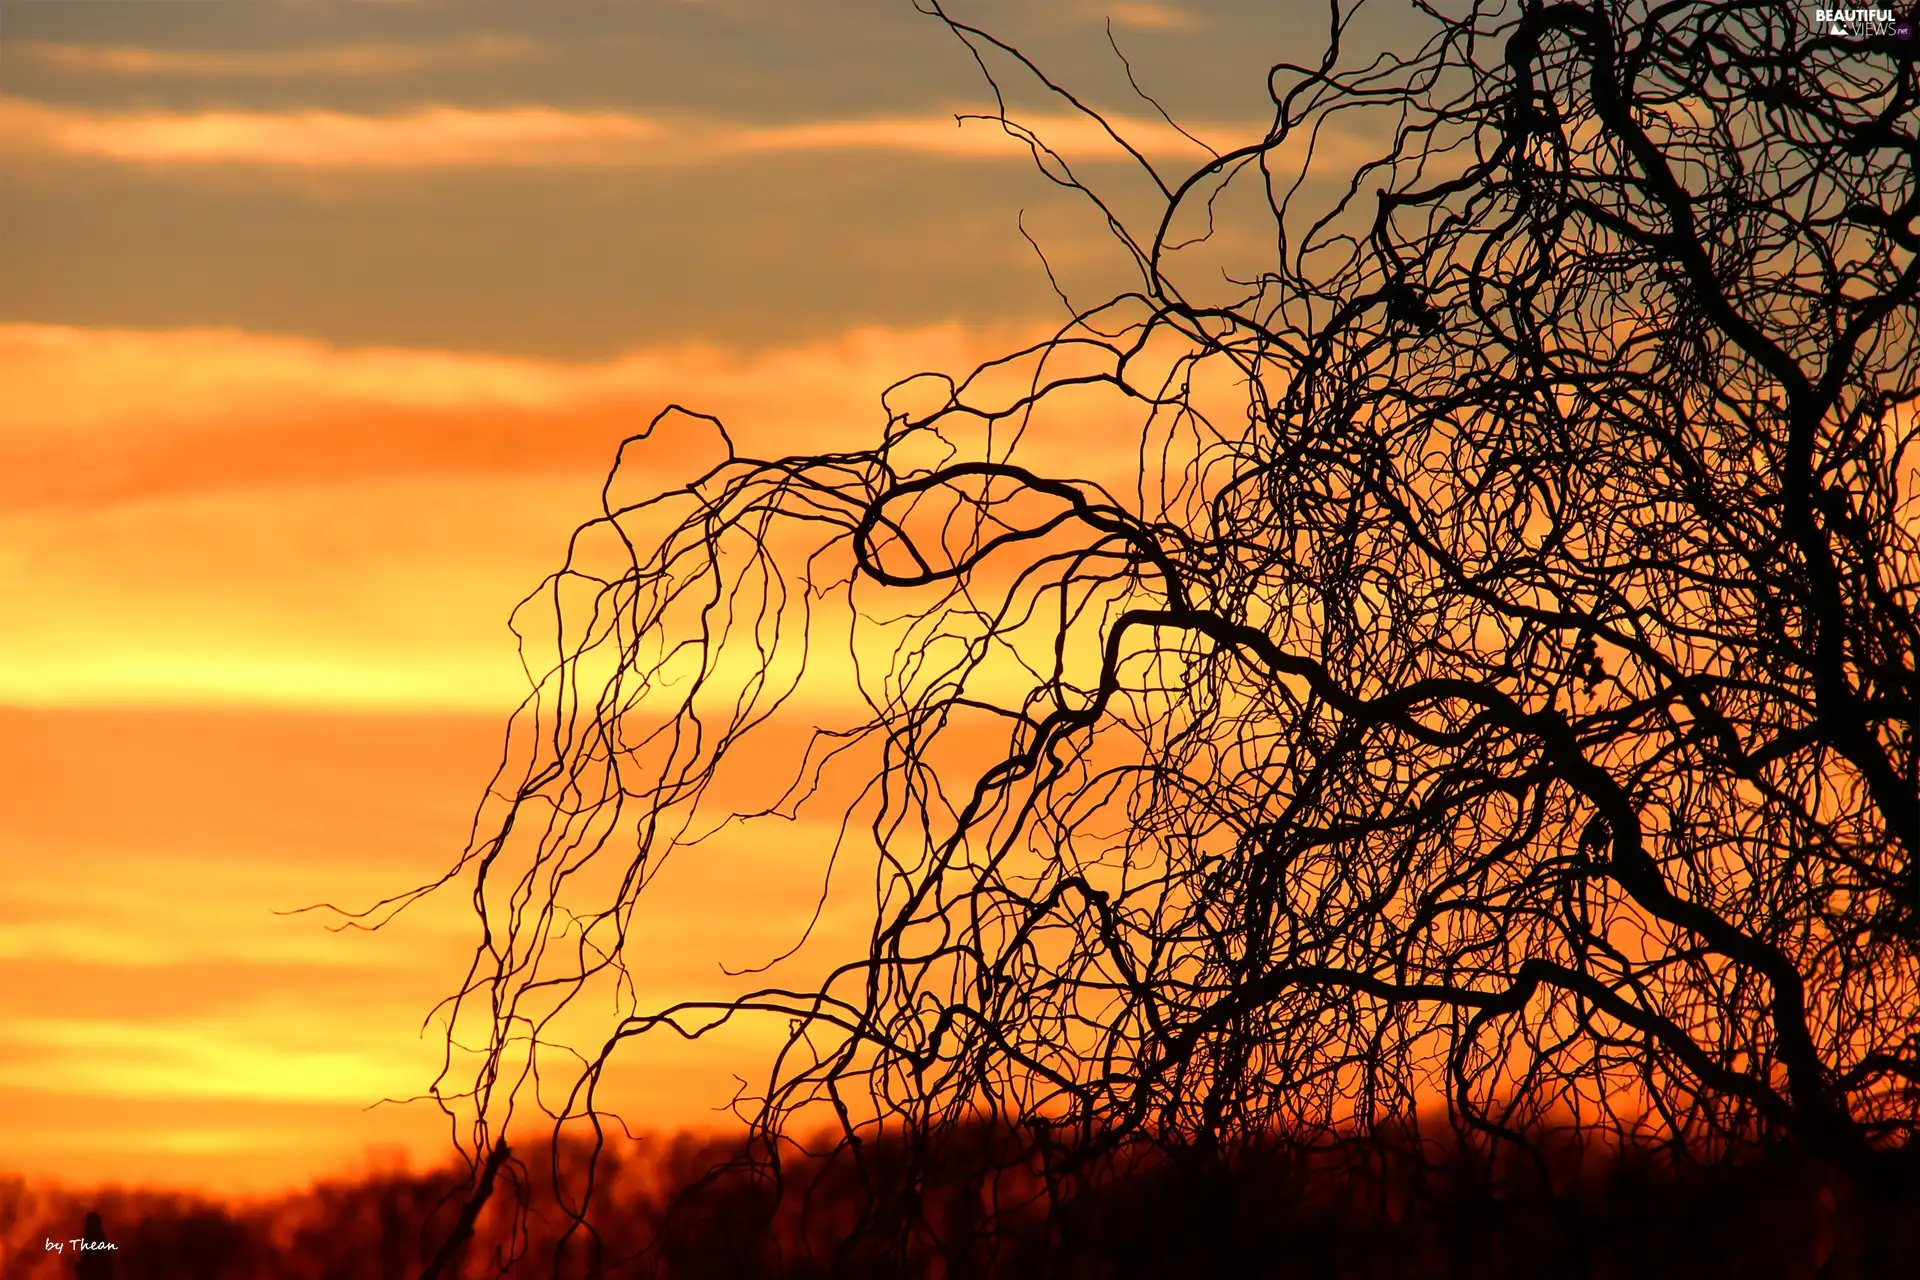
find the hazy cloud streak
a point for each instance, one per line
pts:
(441, 136)
(1149, 17)
(367, 58)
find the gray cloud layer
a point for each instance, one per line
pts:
(763, 243)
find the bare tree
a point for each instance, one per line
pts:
(1494, 684)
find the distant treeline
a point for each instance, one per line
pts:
(673, 1208)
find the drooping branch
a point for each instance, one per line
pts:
(1484, 680)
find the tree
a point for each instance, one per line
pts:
(1496, 683)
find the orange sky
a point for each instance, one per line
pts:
(258, 659)
(320, 327)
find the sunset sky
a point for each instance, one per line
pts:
(320, 323)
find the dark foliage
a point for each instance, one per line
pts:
(1396, 1210)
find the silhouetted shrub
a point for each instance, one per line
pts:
(1405, 1207)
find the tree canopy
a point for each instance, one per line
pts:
(1489, 682)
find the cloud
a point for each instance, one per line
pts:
(208, 1059)
(1072, 137)
(1150, 17)
(216, 518)
(431, 137)
(345, 60)
(68, 381)
(442, 136)
(298, 524)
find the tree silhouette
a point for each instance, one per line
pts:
(93, 1260)
(1492, 685)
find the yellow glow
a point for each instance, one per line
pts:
(441, 136)
(209, 1058)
